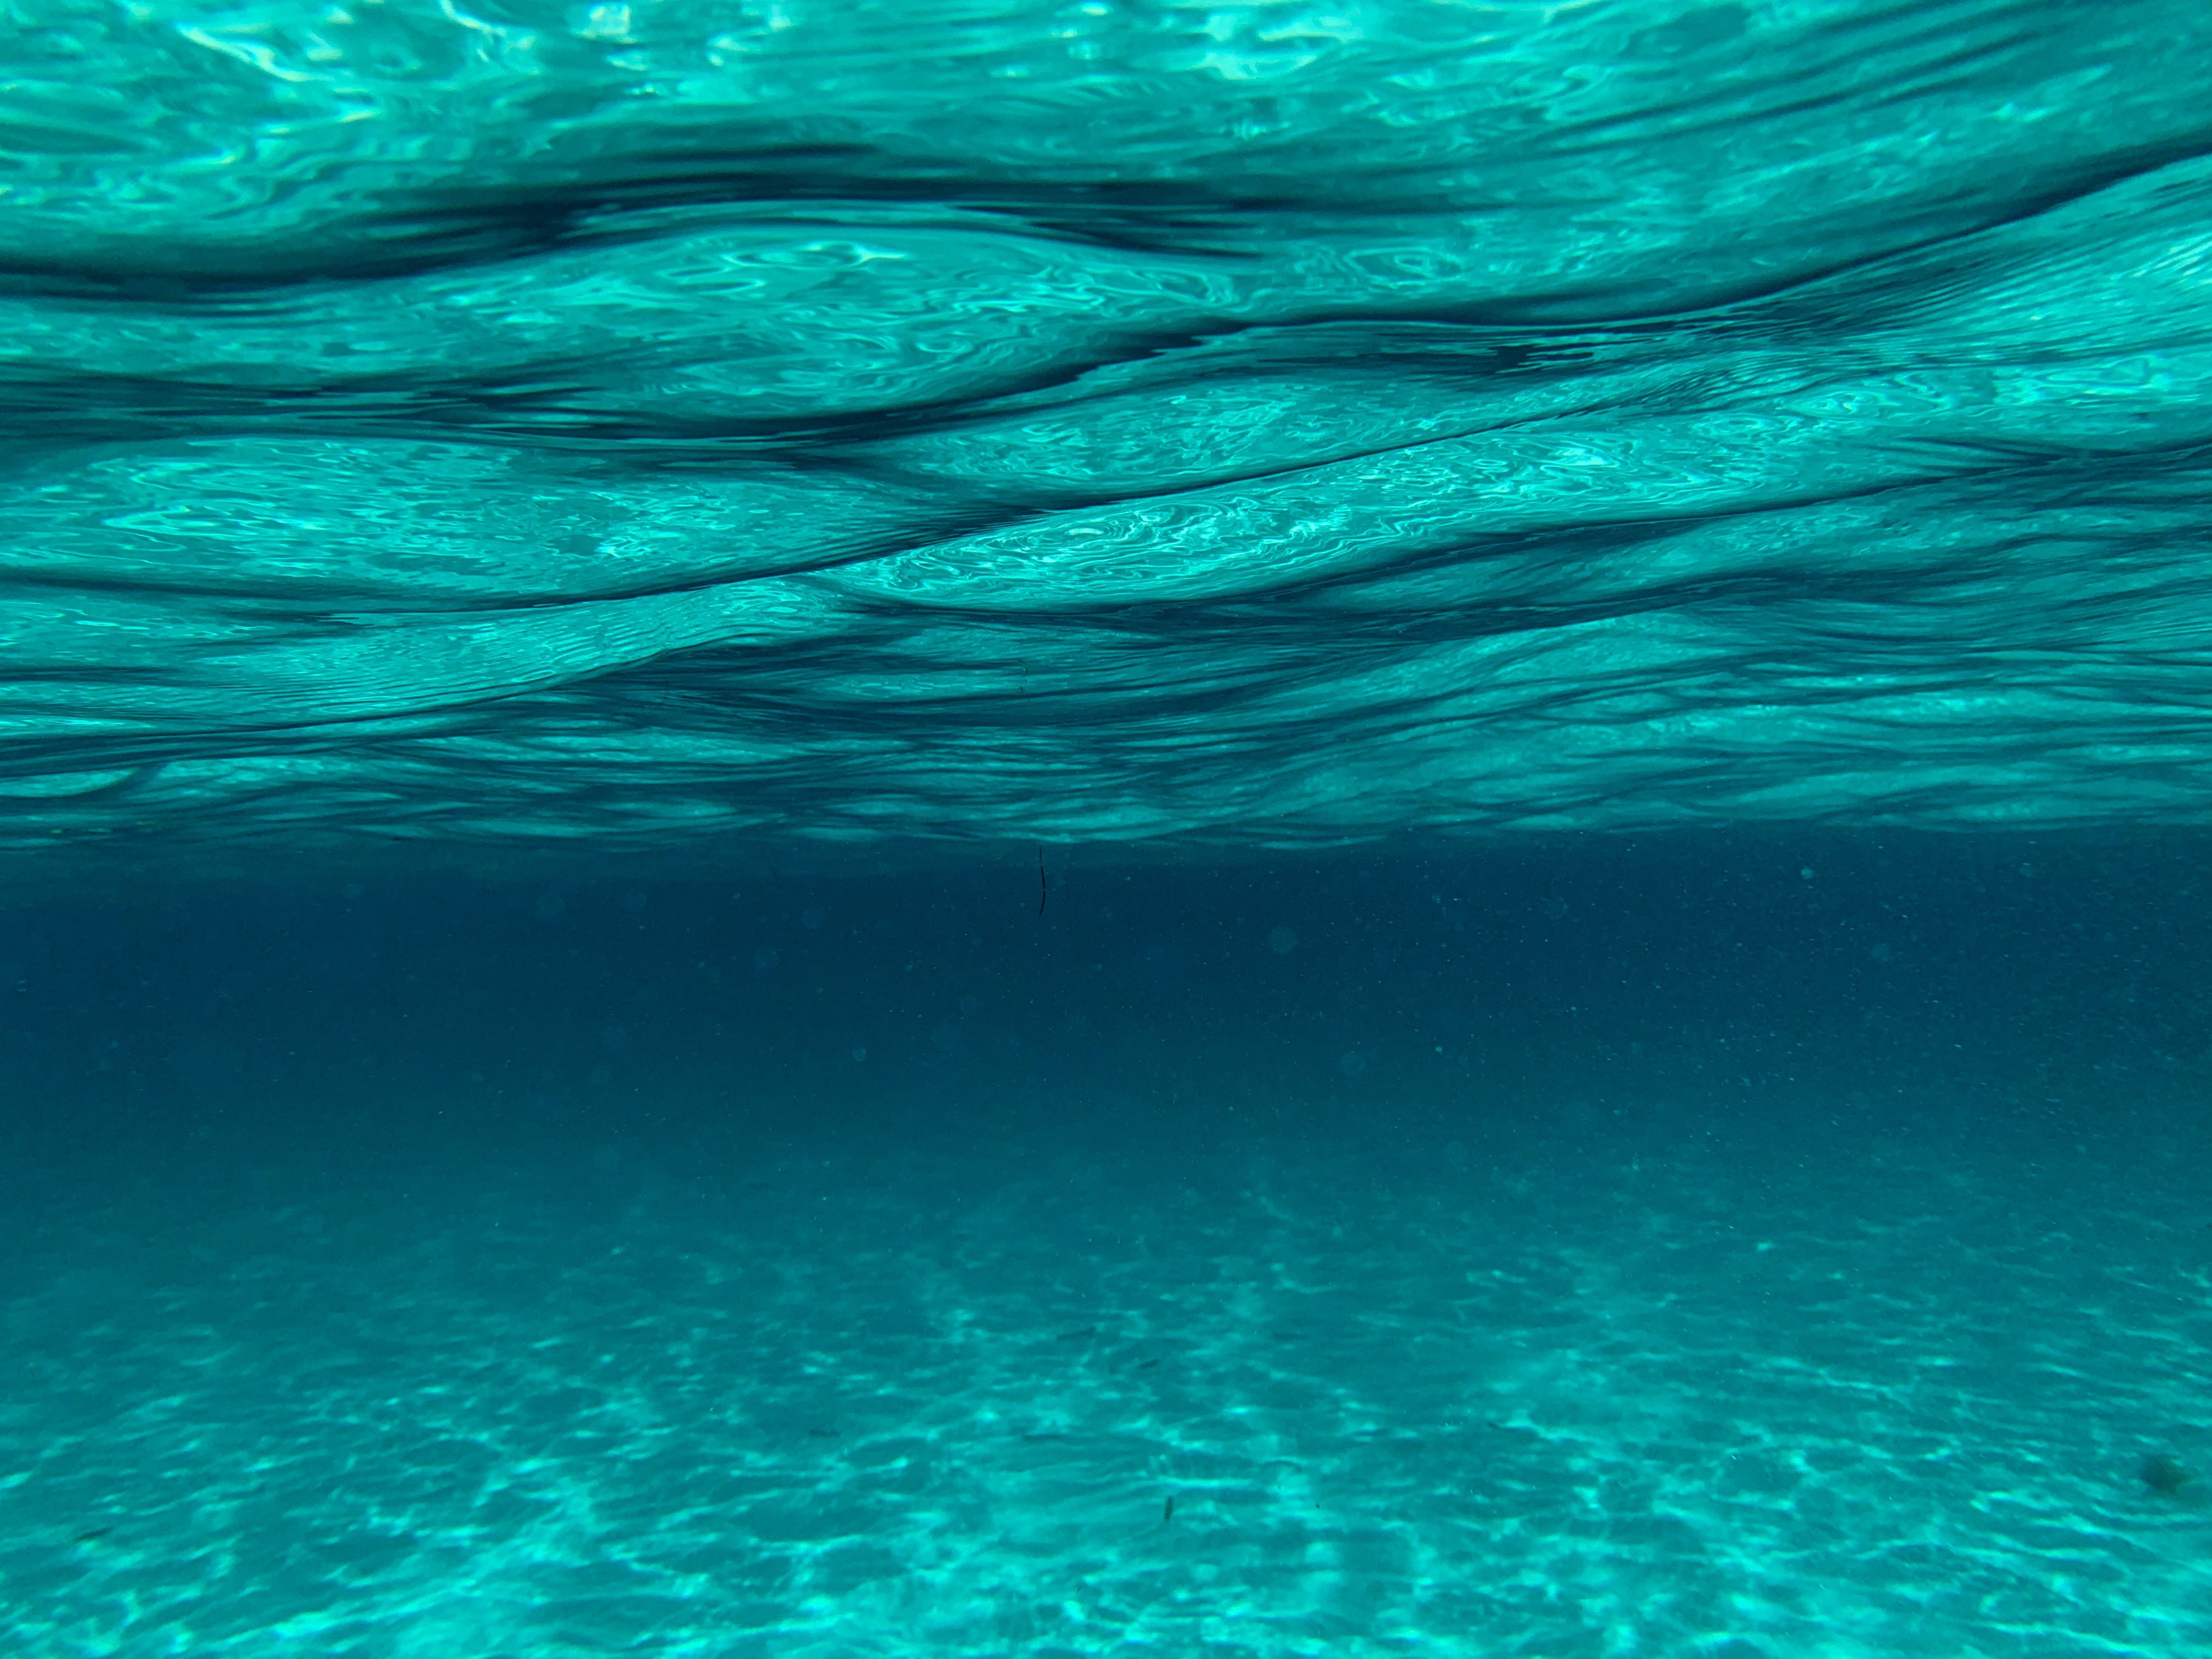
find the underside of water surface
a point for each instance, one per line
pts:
(1266, 424)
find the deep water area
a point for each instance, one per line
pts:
(1771, 1244)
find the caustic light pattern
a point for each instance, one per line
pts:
(1280, 423)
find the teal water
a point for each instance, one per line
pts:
(963, 832)
(936, 1406)
(1647, 1252)
(1259, 424)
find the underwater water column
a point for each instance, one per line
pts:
(1371, 830)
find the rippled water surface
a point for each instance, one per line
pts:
(1262, 423)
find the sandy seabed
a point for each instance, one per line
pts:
(1279, 1398)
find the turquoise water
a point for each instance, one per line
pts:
(1259, 424)
(1644, 1253)
(975, 832)
(937, 1407)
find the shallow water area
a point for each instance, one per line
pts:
(1273, 1396)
